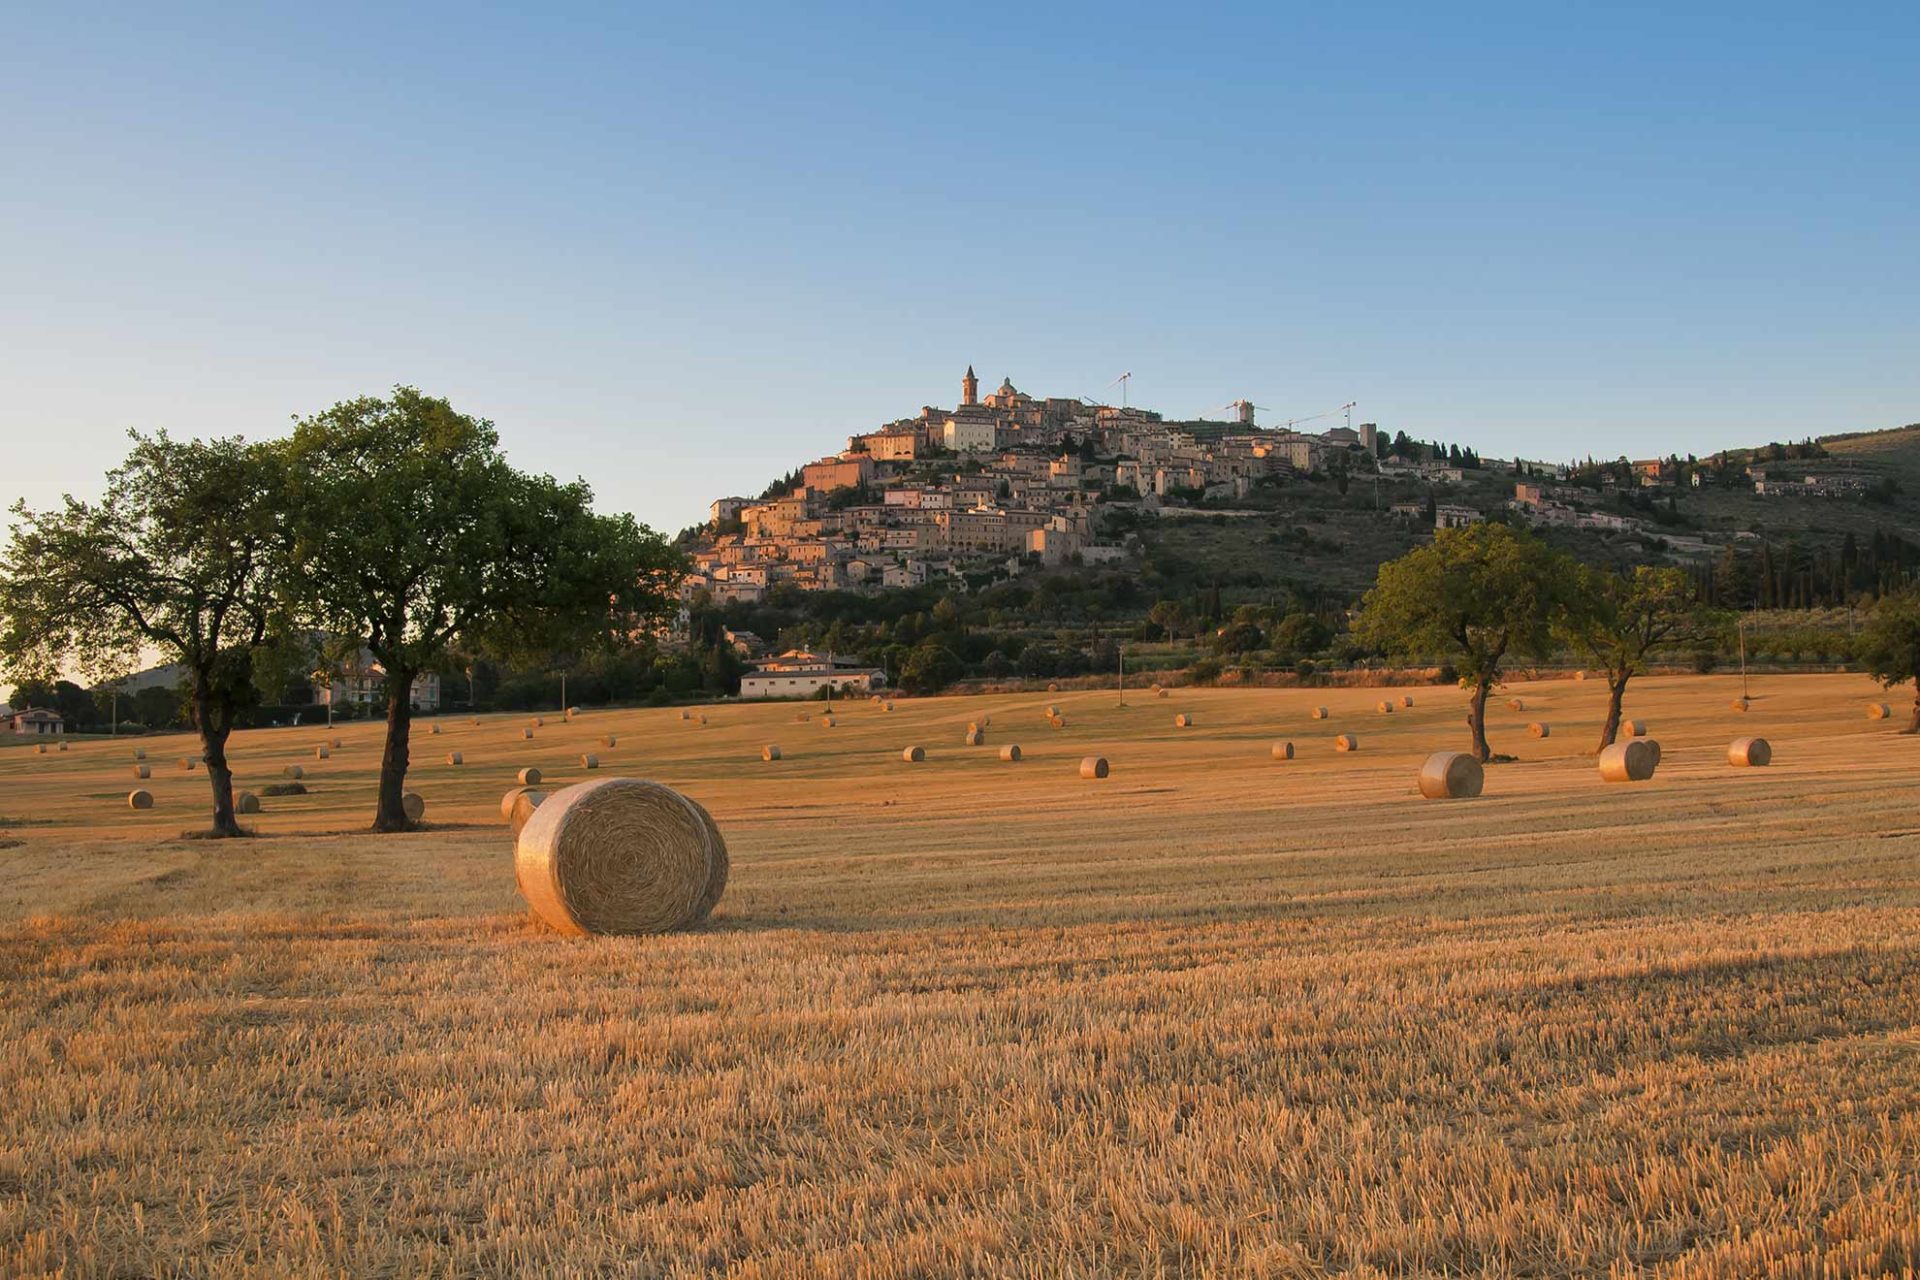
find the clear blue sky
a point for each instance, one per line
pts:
(679, 251)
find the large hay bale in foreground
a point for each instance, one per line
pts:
(246, 802)
(140, 799)
(1878, 711)
(1183, 722)
(293, 771)
(770, 752)
(589, 761)
(1346, 742)
(1750, 753)
(1010, 753)
(1093, 767)
(507, 801)
(1319, 713)
(1539, 730)
(1451, 775)
(528, 776)
(142, 771)
(914, 755)
(1629, 760)
(1282, 751)
(413, 806)
(1633, 729)
(620, 856)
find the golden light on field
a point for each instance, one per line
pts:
(1205, 1017)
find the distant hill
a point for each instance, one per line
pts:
(1896, 452)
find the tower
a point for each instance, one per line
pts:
(969, 388)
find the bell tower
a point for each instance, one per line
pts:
(969, 388)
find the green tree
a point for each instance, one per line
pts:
(1890, 645)
(181, 555)
(1475, 596)
(930, 668)
(414, 537)
(1617, 619)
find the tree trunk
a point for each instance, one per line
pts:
(390, 814)
(1913, 725)
(1477, 721)
(214, 729)
(1616, 693)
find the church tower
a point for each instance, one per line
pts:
(969, 388)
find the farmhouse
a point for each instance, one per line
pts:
(34, 722)
(800, 674)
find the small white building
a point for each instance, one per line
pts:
(35, 722)
(798, 674)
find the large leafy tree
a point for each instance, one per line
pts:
(1618, 619)
(180, 557)
(1890, 645)
(414, 538)
(1475, 597)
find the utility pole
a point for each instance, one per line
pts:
(1123, 673)
(1743, 656)
(563, 694)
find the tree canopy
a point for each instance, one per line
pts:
(184, 554)
(1890, 644)
(1618, 619)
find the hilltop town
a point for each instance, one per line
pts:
(1007, 482)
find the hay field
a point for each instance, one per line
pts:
(1217, 1015)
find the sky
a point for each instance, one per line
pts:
(678, 251)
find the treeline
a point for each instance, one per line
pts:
(1760, 575)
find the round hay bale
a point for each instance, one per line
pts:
(1516, 704)
(1740, 704)
(1750, 753)
(454, 757)
(186, 764)
(975, 738)
(1052, 711)
(770, 752)
(1163, 693)
(333, 742)
(506, 801)
(1053, 688)
(686, 715)
(1653, 745)
(1010, 753)
(803, 717)
(1633, 729)
(620, 856)
(142, 771)
(1580, 675)
(40, 748)
(1384, 708)
(1878, 711)
(1319, 713)
(293, 771)
(1093, 767)
(609, 741)
(246, 802)
(413, 806)
(1156, 690)
(322, 753)
(1406, 700)
(572, 712)
(526, 735)
(1058, 722)
(528, 777)
(139, 753)
(140, 799)
(1282, 751)
(1538, 730)
(914, 755)
(63, 745)
(539, 723)
(589, 761)
(525, 801)
(1451, 775)
(1183, 721)
(474, 721)
(973, 726)
(434, 728)
(826, 722)
(703, 719)
(1629, 760)
(1346, 742)
(889, 706)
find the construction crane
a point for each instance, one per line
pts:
(1346, 408)
(1122, 382)
(1242, 410)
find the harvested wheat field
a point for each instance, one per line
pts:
(1204, 1017)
